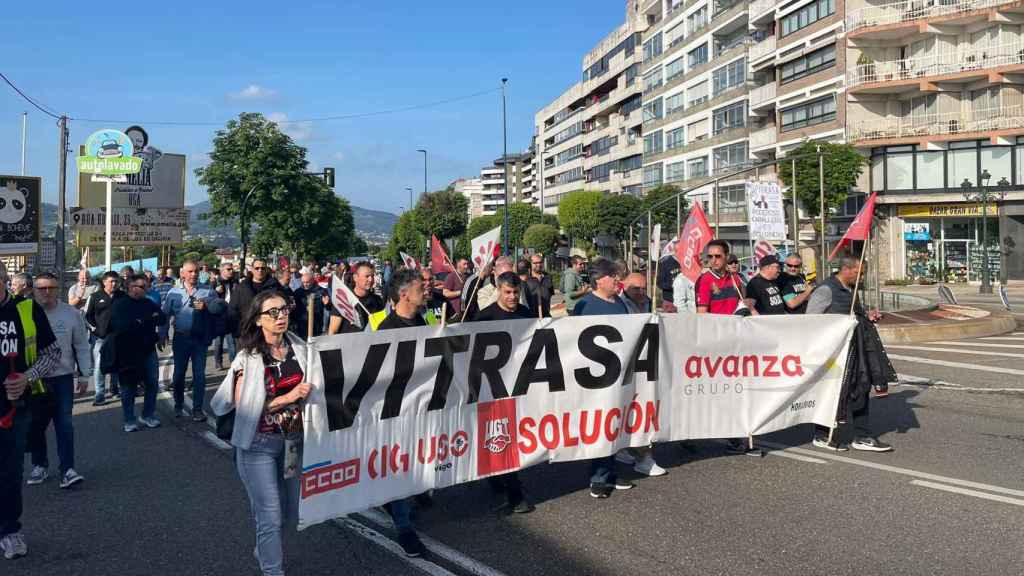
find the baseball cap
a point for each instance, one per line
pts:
(768, 260)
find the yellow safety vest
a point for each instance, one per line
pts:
(376, 318)
(28, 324)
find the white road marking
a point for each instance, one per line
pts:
(1007, 338)
(785, 454)
(450, 554)
(898, 470)
(979, 344)
(391, 546)
(956, 351)
(966, 492)
(965, 365)
(210, 437)
(942, 384)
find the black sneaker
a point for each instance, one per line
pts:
(624, 485)
(198, 415)
(411, 544)
(179, 412)
(99, 402)
(522, 507)
(601, 490)
(870, 445)
(734, 446)
(823, 443)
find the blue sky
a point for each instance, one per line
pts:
(299, 60)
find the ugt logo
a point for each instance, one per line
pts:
(497, 450)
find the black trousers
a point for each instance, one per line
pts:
(509, 484)
(12, 456)
(859, 423)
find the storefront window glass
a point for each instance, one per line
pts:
(963, 164)
(877, 178)
(997, 161)
(899, 171)
(929, 170)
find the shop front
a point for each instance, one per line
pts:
(943, 242)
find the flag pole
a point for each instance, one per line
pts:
(860, 270)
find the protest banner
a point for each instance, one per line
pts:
(766, 213)
(396, 413)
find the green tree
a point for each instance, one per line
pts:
(666, 213)
(843, 165)
(406, 237)
(540, 238)
(578, 214)
(287, 210)
(549, 219)
(442, 213)
(520, 217)
(616, 213)
(197, 250)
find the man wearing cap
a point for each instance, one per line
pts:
(763, 289)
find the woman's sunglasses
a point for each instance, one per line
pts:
(276, 313)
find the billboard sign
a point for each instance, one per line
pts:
(159, 182)
(109, 153)
(131, 226)
(20, 215)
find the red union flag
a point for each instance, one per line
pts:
(860, 228)
(497, 449)
(485, 248)
(696, 235)
(439, 261)
(345, 301)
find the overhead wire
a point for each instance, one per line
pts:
(28, 99)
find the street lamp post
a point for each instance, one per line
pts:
(984, 195)
(424, 169)
(244, 226)
(504, 162)
(411, 203)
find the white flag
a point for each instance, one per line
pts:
(485, 247)
(408, 261)
(670, 247)
(655, 243)
(85, 258)
(345, 301)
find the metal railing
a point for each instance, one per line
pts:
(942, 124)
(938, 63)
(912, 10)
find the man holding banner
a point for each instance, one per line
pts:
(367, 303)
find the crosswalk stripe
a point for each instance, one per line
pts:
(964, 365)
(956, 351)
(979, 344)
(966, 492)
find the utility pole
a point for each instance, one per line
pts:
(411, 203)
(62, 163)
(821, 195)
(796, 214)
(504, 162)
(24, 139)
(424, 169)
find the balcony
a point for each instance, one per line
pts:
(938, 127)
(761, 50)
(763, 138)
(893, 14)
(762, 99)
(895, 76)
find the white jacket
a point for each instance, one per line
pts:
(253, 399)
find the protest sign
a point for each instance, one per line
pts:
(396, 413)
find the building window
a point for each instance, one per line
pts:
(728, 76)
(807, 15)
(929, 170)
(731, 156)
(733, 199)
(626, 165)
(653, 110)
(601, 146)
(653, 143)
(674, 103)
(569, 154)
(729, 41)
(697, 21)
(571, 175)
(652, 48)
(675, 68)
(652, 175)
(698, 93)
(697, 56)
(697, 167)
(652, 79)
(809, 64)
(675, 138)
(899, 171)
(634, 102)
(996, 159)
(877, 173)
(601, 172)
(961, 165)
(675, 172)
(698, 130)
(809, 114)
(631, 73)
(729, 117)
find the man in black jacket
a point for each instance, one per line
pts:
(668, 268)
(134, 329)
(299, 319)
(224, 286)
(247, 289)
(539, 287)
(97, 317)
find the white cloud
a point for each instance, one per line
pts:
(299, 131)
(253, 92)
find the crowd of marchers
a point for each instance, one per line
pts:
(110, 330)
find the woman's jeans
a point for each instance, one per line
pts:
(274, 500)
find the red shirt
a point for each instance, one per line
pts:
(718, 293)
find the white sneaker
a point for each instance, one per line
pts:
(130, 427)
(37, 476)
(648, 467)
(13, 546)
(625, 457)
(150, 422)
(70, 478)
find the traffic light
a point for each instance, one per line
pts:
(329, 176)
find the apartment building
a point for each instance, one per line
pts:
(934, 90)
(590, 136)
(473, 190)
(486, 194)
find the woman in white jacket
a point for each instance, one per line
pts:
(265, 387)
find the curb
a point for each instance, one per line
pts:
(991, 325)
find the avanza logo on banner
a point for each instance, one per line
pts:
(399, 412)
